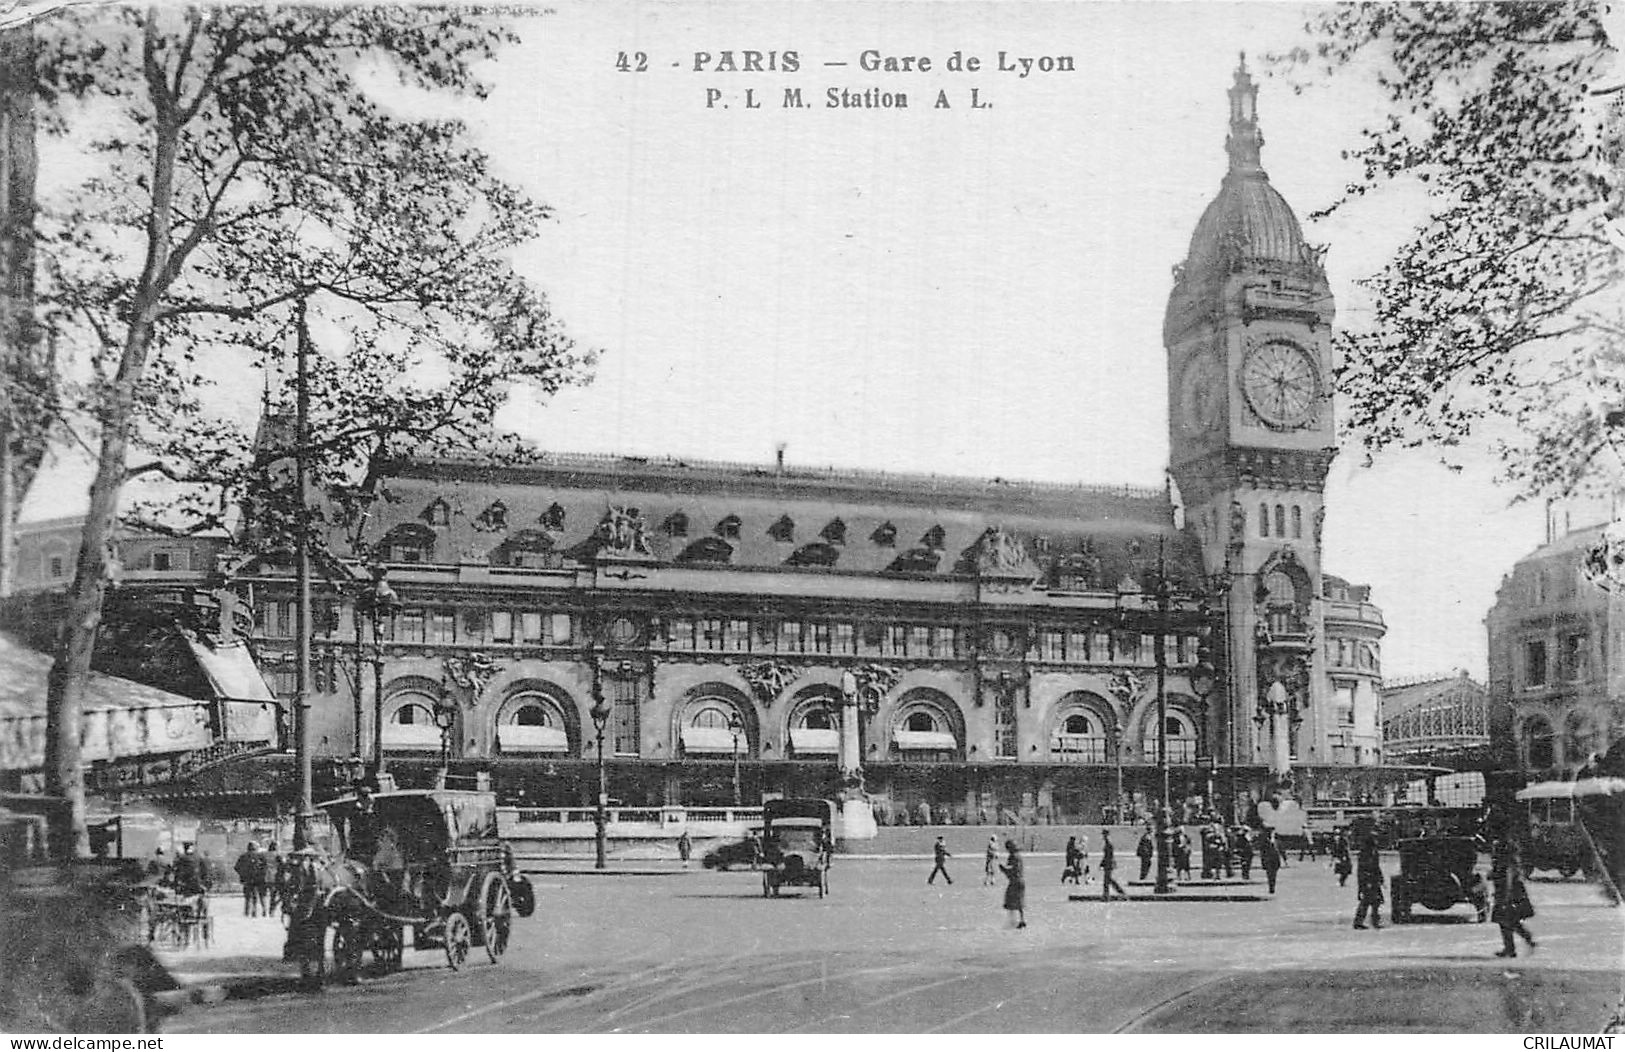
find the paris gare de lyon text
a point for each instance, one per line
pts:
(875, 61)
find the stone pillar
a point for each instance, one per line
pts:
(856, 820)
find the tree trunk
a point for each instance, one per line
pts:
(64, 699)
(20, 428)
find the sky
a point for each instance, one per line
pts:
(960, 291)
(972, 290)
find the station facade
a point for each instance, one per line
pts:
(1004, 634)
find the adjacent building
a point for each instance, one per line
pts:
(1555, 640)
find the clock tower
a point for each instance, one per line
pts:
(1248, 335)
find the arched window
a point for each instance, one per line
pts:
(1181, 737)
(928, 727)
(533, 722)
(1280, 521)
(1297, 521)
(1263, 520)
(1082, 731)
(814, 725)
(714, 724)
(409, 721)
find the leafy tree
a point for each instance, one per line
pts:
(1497, 322)
(251, 189)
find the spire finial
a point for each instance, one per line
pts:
(1245, 141)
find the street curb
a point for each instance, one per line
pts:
(1170, 898)
(1201, 883)
(610, 872)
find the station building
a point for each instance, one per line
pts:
(1004, 635)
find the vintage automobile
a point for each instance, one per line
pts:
(733, 853)
(72, 936)
(796, 844)
(1438, 872)
(428, 861)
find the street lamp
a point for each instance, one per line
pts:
(377, 602)
(445, 717)
(736, 727)
(1203, 678)
(600, 718)
(1159, 650)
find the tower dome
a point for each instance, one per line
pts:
(1249, 222)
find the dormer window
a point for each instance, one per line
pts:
(885, 535)
(916, 560)
(834, 532)
(784, 530)
(676, 525)
(494, 517)
(408, 543)
(553, 518)
(933, 538)
(728, 528)
(438, 513)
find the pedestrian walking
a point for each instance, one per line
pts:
(1269, 856)
(1073, 869)
(990, 862)
(1108, 864)
(1146, 849)
(940, 851)
(274, 880)
(250, 870)
(1342, 864)
(1015, 891)
(1244, 852)
(1368, 884)
(685, 848)
(1182, 855)
(1512, 905)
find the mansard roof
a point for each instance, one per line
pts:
(1118, 525)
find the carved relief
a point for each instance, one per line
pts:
(874, 682)
(621, 532)
(471, 673)
(767, 679)
(1000, 553)
(1126, 686)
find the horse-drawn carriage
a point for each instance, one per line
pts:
(796, 844)
(424, 860)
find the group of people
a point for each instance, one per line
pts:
(1511, 908)
(188, 874)
(262, 876)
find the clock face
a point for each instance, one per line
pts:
(1201, 393)
(1280, 384)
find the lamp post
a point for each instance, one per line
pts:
(1117, 755)
(445, 717)
(1203, 678)
(377, 602)
(600, 718)
(1159, 650)
(736, 727)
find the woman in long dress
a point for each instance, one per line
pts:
(1015, 892)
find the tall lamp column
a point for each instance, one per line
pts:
(600, 718)
(736, 727)
(380, 603)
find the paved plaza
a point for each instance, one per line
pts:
(705, 952)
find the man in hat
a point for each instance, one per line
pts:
(940, 851)
(1108, 866)
(250, 870)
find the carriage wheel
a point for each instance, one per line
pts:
(495, 915)
(346, 951)
(388, 949)
(458, 939)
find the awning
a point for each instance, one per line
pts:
(710, 741)
(231, 671)
(412, 735)
(1564, 790)
(516, 737)
(925, 741)
(814, 741)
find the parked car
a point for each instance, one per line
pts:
(734, 853)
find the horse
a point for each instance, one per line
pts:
(323, 892)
